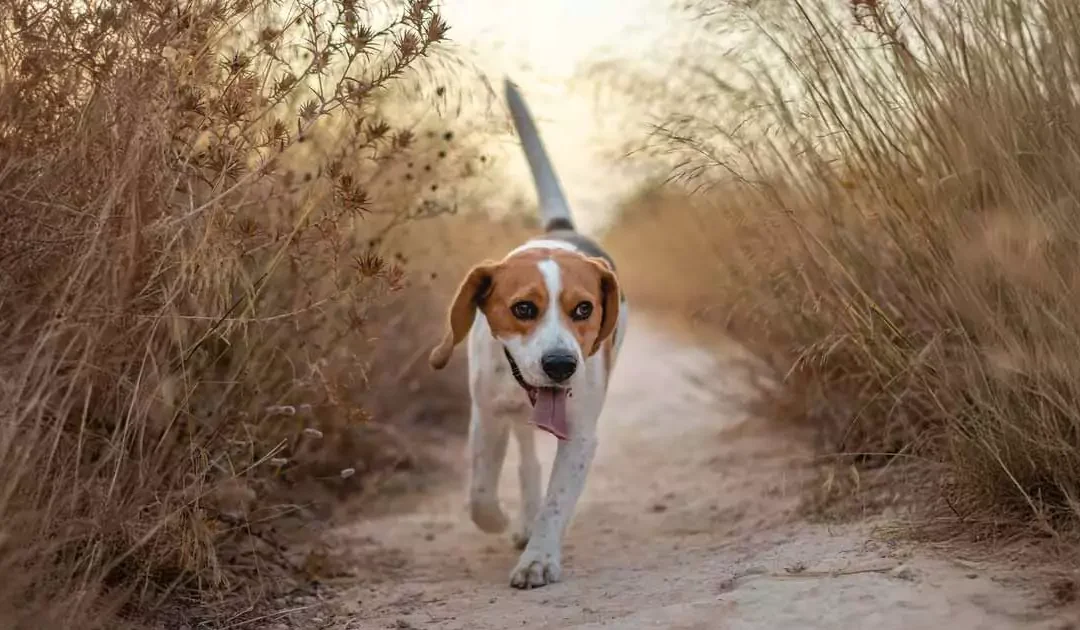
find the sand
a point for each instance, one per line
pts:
(690, 521)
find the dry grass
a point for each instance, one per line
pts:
(192, 284)
(900, 232)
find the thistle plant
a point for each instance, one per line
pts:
(191, 194)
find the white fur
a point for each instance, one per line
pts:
(499, 405)
(545, 243)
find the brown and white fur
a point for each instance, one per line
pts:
(556, 273)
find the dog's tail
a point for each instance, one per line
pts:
(554, 208)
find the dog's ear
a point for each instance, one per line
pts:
(473, 290)
(610, 297)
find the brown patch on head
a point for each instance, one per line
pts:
(586, 279)
(517, 279)
(495, 288)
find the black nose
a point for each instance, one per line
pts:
(559, 366)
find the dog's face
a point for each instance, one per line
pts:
(551, 309)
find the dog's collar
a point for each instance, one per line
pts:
(516, 371)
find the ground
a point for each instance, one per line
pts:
(690, 520)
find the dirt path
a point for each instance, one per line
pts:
(688, 521)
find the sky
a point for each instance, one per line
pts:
(545, 46)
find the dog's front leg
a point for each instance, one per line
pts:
(529, 472)
(488, 437)
(540, 563)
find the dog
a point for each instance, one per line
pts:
(544, 328)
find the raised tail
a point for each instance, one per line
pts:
(554, 208)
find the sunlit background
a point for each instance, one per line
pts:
(548, 49)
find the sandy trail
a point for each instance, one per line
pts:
(688, 521)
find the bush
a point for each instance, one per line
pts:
(186, 280)
(897, 224)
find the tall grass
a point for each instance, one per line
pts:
(897, 223)
(190, 191)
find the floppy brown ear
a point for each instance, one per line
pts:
(474, 288)
(610, 298)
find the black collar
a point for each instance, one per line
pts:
(516, 371)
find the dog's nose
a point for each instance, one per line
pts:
(559, 366)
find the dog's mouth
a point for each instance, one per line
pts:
(548, 403)
(549, 409)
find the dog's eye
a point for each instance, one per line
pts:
(524, 310)
(582, 311)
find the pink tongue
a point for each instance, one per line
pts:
(549, 413)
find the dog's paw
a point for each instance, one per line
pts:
(535, 569)
(488, 516)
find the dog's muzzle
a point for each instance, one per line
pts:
(548, 403)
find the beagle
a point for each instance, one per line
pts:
(544, 326)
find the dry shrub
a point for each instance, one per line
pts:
(899, 229)
(189, 190)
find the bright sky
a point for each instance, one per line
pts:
(542, 45)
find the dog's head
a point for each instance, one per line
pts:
(550, 308)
